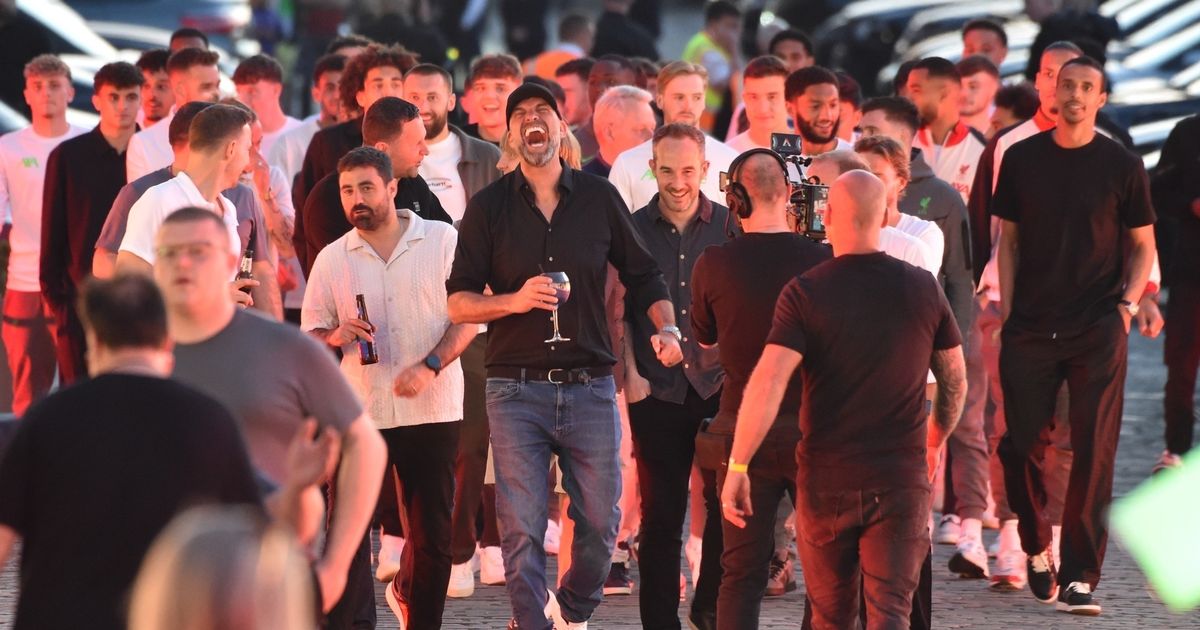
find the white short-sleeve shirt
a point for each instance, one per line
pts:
(406, 302)
(929, 233)
(631, 175)
(159, 202)
(149, 150)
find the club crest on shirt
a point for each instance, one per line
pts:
(29, 162)
(962, 169)
(648, 175)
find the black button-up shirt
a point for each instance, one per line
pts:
(83, 176)
(504, 240)
(675, 254)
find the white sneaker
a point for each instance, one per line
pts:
(692, 551)
(970, 559)
(1010, 571)
(554, 613)
(948, 530)
(462, 581)
(553, 535)
(491, 566)
(1166, 461)
(390, 548)
(1055, 544)
(994, 548)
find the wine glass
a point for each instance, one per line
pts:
(562, 290)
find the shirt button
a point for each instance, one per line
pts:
(683, 284)
(550, 258)
(686, 366)
(674, 231)
(683, 311)
(685, 338)
(681, 257)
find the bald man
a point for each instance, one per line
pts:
(868, 452)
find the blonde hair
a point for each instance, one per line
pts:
(677, 69)
(889, 150)
(223, 568)
(47, 65)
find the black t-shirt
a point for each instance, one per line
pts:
(867, 326)
(734, 290)
(1072, 208)
(94, 473)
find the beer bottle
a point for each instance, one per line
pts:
(366, 349)
(245, 268)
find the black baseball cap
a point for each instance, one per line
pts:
(529, 90)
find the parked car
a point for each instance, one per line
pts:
(223, 20)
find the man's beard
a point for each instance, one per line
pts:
(368, 222)
(436, 125)
(809, 133)
(543, 157)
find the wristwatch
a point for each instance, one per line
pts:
(434, 363)
(673, 330)
(1129, 306)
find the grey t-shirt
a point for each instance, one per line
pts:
(249, 213)
(272, 377)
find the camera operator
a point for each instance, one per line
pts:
(734, 289)
(864, 463)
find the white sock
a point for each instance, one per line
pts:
(1010, 538)
(971, 528)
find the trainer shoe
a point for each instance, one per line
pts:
(1043, 578)
(1166, 461)
(781, 578)
(948, 530)
(462, 581)
(491, 566)
(969, 559)
(553, 535)
(390, 549)
(397, 604)
(702, 621)
(618, 582)
(554, 613)
(1010, 571)
(1077, 599)
(994, 548)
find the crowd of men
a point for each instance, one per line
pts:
(530, 316)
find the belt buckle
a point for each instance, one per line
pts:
(550, 376)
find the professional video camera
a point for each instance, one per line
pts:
(809, 195)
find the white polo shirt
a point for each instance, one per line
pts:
(269, 139)
(149, 149)
(633, 179)
(23, 155)
(406, 302)
(161, 201)
(910, 249)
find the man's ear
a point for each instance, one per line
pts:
(451, 102)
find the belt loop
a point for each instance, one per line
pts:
(522, 381)
(585, 377)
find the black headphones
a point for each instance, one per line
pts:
(736, 196)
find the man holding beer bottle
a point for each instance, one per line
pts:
(378, 294)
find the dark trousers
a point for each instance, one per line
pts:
(424, 459)
(1181, 353)
(712, 546)
(664, 445)
(471, 462)
(70, 344)
(1032, 368)
(747, 553)
(862, 548)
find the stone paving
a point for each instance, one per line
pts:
(957, 603)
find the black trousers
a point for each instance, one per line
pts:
(70, 344)
(664, 445)
(471, 462)
(1181, 353)
(424, 459)
(1032, 368)
(746, 558)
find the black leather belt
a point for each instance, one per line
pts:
(558, 376)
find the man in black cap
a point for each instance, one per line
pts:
(553, 395)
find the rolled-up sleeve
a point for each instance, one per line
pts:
(635, 266)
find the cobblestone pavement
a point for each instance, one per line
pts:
(957, 603)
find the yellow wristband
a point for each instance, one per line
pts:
(735, 467)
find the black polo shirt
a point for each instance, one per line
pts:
(504, 240)
(83, 176)
(676, 253)
(325, 219)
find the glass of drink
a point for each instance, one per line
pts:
(562, 290)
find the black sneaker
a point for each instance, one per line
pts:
(1043, 579)
(1077, 600)
(512, 624)
(618, 582)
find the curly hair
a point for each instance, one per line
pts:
(354, 77)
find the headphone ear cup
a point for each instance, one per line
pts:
(738, 200)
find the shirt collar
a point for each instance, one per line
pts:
(704, 212)
(413, 231)
(566, 180)
(192, 193)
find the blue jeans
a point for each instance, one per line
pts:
(578, 422)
